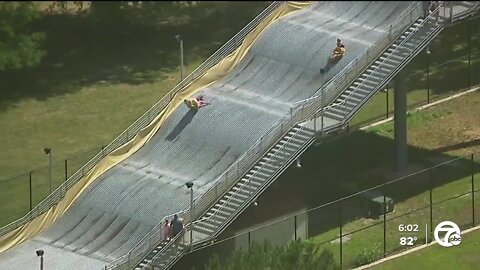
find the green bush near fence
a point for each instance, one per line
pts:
(296, 255)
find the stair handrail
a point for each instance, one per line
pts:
(227, 48)
(406, 39)
(409, 10)
(344, 101)
(247, 184)
(298, 109)
(282, 148)
(257, 144)
(269, 133)
(54, 197)
(249, 158)
(393, 29)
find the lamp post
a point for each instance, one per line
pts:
(190, 186)
(48, 151)
(179, 39)
(428, 74)
(40, 254)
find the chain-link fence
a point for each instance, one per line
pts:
(21, 193)
(355, 228)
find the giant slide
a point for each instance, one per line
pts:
(281, 67)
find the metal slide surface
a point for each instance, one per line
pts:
(282, 67)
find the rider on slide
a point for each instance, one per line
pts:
(339, 50)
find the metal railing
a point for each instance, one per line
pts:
(143, 120)
(308, 109)
(247, 184)
(139, 251)
(301, 113)
(399, 49)
(355, 68)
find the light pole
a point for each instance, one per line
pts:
(48, 151)
(40, 254)
(190, 186)
(428, 74)
(179, 39)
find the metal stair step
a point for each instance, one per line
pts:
(232, 200)
(222, 212)
(348, 104)
(244, 188)
(344, 96)
(264, 168)
(258, 173)
(354, 94)
(257, 178)
(333, 116)
(391, 57)
(294, 139)
(251, 181)
(338, 111)
(207, 225)
(299, 134)
(289, 147)
(286, 140)
(237, 195)
(303, 131)
(267, 164)
(372, 77)
(211, 223)
(275, 157)
(376, 72)
(223, 206)
(204, 229)
(363, 82)
(365, 89)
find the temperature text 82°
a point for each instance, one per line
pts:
(407, 241)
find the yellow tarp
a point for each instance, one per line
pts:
(215, 73)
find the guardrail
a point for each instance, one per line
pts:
(399, 49)
(151, 238)
(356, 67)
(300, 113)
(302, 110)
(306, 110)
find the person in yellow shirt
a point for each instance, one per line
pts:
(339, 50)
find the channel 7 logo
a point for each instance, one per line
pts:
(452, 234)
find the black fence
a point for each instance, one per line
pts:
(356, 230)
(21, 193)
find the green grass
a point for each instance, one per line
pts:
(440, 133)
(463, 256)
(93, 84)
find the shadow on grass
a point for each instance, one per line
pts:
(82, 53)
(452, 43)
(364, 158)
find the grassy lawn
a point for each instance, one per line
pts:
(435, 135)
(464, 256)
(93, 84)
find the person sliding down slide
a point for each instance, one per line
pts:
(339, 50)
(196, 103)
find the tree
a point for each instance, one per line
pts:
(19, 46)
